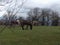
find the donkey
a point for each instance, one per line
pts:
(26, 23)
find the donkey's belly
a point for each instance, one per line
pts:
(25, 23)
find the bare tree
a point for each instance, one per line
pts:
(46, 13)
(13, 10)
(34, 13)
(55, 18)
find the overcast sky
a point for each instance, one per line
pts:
(32, 3)
(42, 3)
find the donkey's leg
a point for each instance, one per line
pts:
(30, 27)
(22, 27)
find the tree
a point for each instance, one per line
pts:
(46, 13)
(55, 18)
(13, 9)
(34, 14)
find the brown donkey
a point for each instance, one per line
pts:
(27, 23)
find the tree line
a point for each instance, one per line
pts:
(44, 16)
(39, 16)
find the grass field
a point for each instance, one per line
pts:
(40, 35)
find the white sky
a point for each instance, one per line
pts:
(42, 3)
(39, 3)
(34, 3)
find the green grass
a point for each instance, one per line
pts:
(40, 35)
